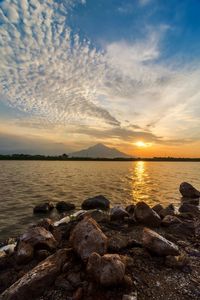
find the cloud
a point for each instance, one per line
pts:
(45, 69)
(144, 2)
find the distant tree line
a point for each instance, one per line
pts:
(67, 158)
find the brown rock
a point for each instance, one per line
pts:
(157, 244)
(97, 202)
(188, 191)
(24, 252)
(189, 208)
(157, 208)
(130, 209)
(170, 220)
(34, 282)
(87, 238)
(64, 206)
(179, 262)
(43, 208)
(39, 237)
(118, 213)
(145, 215)
(106, 270)
(46, 223)
(169, 210)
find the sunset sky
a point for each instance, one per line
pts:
(125, 73)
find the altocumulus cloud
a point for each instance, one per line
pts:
(45, 69)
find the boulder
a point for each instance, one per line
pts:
(188, 191)
(36, 281)
(43, 208)
(46, 223)
(24, 252)
(130, 209)
(38, 237)
(178, 262)
(96, 214)
(194, 201)
(189, 208)
(118, 213)
(87, 237)
(170, 220)
(145, 215)
(169, 210)
(157, 208)
(106, 270)
(157, 244)
(96, 202)
(65, 206)
(183, 229)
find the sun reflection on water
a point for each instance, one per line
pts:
(139, 186)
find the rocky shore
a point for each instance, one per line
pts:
(99, 252)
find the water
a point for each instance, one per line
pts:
(23, 184)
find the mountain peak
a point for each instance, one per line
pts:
(99, 151)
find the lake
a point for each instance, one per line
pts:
(23, 184)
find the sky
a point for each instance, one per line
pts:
(125, 73)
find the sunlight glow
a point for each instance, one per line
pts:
(142, 144)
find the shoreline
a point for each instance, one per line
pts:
(131, 253)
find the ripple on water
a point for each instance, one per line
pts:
(28, 183)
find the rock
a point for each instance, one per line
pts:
(132, 296)
(169, 210)
(157, 244)
(189, 208)
(96, 214)
(145, 215)
(74, 279)
(24, 252)
(39, 237)
(194, 201)
(130, 209)
(46, 223)
(43, 208)
(63, 284)
(106, 270)
(77, 295)
(36, 281)
(96, 202)
(179, 262)
(42, 254)
(188, 191)
(65, 206)
(118, 213)
(170, 220)
(183, 229)
(157, 208)
(116, 243)
(87, 238)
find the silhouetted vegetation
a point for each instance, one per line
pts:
(65, 157)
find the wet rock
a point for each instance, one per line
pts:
(170, 220)
(36, 281)
(106, 270)
(39, 237)
(118, 213)
(96, 202)
(157, 208)
(189, 208)
(157, 244)
(118, 242)
(169, 210)
(64, 206)
(130, 209)
(43, 208)
(188, 191)
(145, 215)
(87, 238)
(77, 295)
(24, 252)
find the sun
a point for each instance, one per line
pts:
(142, 144)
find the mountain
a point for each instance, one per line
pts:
(99, 151)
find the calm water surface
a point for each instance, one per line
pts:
(24, 184)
